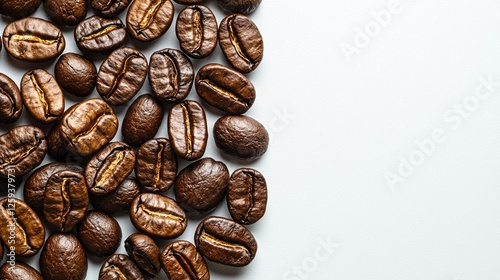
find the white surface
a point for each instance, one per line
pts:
(338, 127)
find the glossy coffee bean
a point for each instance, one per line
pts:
(42, 96)
(241, 42)
(33, 39)
(247, 195)
(99, 233)
(144, 251)
(225, 88)
(19, 270)
(107, 169)
(18, 9)
(196, 29)
(201, 185)
(181, 260)
(241, 136)
(156, 165)
(98, 36)
(120, 267)
(118, 200)
(142, 121)
(63, 257)
(109, 8)
(224, 241)
(29, 233)
(65, 12)
(11, 103)
(187, 129)
(76, 74)
(239, 6)
(158, 216)
(147, 20)
(171, 75)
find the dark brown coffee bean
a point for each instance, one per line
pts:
(239, 6)
(147, 20)
(156, 165)
(21, 149)
(18, 9)
(18, 270)
(42, 96)
(201, 185)
(171, 75)
(121, 75)
(181, 260)
(98, 36)
(241, 136)
(120, 267)
(11, 103)
(142, 121)
(158, 216)
(99, 233)
(225, 89)
(187, 129)
(144, 251)
(33, 39)
(18, 218)
(224, 241)
(65, 12)
(63, 258)
(76, 74)
(118, 200)
(107, 169)
(188, 2)
(109, 8)
(196, 29)
(241, 42)
(247, 195)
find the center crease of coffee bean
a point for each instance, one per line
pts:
(100, 32)
(158, 166)
(199, 30)
(120, 76)
(187, 122)
(16, 159)
(118, 157)
(33, 38)
(148, 18)
(223, 243)
(160, 214)
(41, 96)
(222, 91)
(236, 45)
(94, 127)
(11, 101)
(175, 75)
(117, 270)
(185, 265)
(251, 188)
(66, 202)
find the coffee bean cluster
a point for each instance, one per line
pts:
(88, 170)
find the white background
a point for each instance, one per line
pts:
(341, 123)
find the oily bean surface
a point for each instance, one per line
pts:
(118, 200)
(18, 9)
(99, 233)
(196, 29)
(239, 6)
(109, 8)
(75, 74)
(19, 271)
(120, 267)
(142, 120)
(11, 103)
(65, 12)
(63, 258)
(147, 20)
(247, 195)
(98, 36)
(144, 251)
(181, 260)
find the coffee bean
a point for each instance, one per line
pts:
(187, 129)
(120, 267)
(196, 29)
(109, 8)
(76, 74)
(11, 103)
(144, 251)
(241, 42)
(118, 200)
(63, 258)
(42, 96)
(97, 36)
(147, 20)
(181, 260)
(18, 9)
(241, 136)
(29, 233)
(18, 270)
(201, 185)
(224, 241)
(121, 75)
(99, 233)
(65, 12)
(156, 165)
(142, 121)
(170, 75)
(239, 6)
(225, 89)
(158, 216)
(107, 169)
(33, 39)
(247, 195)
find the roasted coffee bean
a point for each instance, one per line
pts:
(76, 74)
(19, 270)
(201, 185)
(63, 258)
(99, 233)
(241, 42)
(171, 75)
(97, 36)
(156, 165)
(241, 136)
(65, 12)
(144, 251)
(33, 39)
(148, 20)
(11, 103)
(187, 129)
(42, 96)
(225, 89)
(121, 75)
(188, 2)
(247, 195)
(196, 29)
(21, 149)
(34, 188)
(181, 260)
(109, 8)
(224, 241)
(118, 200)
(29, 233)
(158, 216)
(239, 6)
(18, 9)
(107, 169)
(142, 121)
(120, 267)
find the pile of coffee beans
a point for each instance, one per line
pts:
(94, 172)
